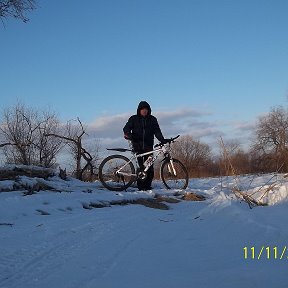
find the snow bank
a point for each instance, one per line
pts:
(269, 189)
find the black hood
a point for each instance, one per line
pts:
(143, 104)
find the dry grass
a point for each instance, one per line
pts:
(190, 196)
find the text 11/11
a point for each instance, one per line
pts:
(265, 252)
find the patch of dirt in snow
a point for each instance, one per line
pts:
(156, 203)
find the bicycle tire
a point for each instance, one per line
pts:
(107, 174)
(180, 181)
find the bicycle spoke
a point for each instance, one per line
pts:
(176, 178)
(110, 172)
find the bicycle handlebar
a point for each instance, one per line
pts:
(167, 141)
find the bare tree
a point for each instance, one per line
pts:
(47, 149)
(194, 154)
(93, 146)
(18, 129)
(16, 8)
(73, 137)
(22, 131)
(271, 138)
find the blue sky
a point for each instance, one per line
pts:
(206, 67)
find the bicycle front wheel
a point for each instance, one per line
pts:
(174, 175)
(113, 180)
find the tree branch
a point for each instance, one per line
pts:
(61, 137)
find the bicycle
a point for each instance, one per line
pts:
(117, 172)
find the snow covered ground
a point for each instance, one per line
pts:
(48, 240)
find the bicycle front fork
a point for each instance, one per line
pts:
(171, 168)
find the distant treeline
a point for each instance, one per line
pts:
(32, 137)
(268, 151)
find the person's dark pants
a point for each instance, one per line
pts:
(145, 184)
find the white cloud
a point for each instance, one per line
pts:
(244, 126)
(179, 113)
(109, 126)
(171, 122)
(183, 121)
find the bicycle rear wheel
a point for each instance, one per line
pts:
(116, 181)
(171, 180)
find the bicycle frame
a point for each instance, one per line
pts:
(161, 150)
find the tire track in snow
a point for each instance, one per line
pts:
(27, 267)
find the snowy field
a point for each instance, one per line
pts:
(49, 240)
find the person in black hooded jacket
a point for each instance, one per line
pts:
(141, 129)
